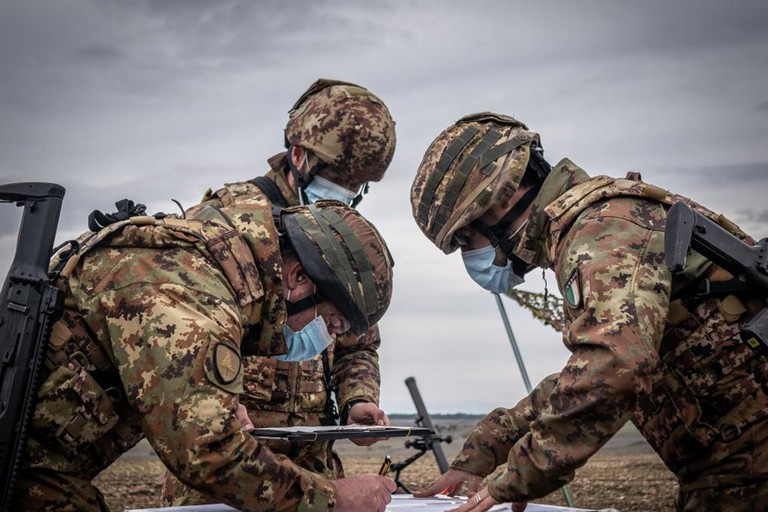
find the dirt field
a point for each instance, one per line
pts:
(625, 475)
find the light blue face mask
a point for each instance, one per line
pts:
(308, 342)
(321, 188)
(480, 267)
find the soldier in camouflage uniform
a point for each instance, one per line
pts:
(339, 137)
(647, 346)
(158, 312)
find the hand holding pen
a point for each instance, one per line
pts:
(385, 465)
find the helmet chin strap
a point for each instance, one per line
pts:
(516, 211)
(497, 234)
(294, 308)
(360, 194)
(303, 180)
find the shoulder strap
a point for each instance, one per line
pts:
(270, 189)
(330, 389)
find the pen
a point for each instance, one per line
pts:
(447, 491)
(385, 465)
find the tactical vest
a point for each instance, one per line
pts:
(82, 418)
(297, 389)
(709, 386)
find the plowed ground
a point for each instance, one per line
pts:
(624, 475)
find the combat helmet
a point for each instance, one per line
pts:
(345, 126)
(473, 165)
(344, 255)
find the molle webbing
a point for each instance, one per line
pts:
(91, 240)
(224, 244)
(454, 150)
(502, 149)
(333, 251)
(358, 255)
(460, 177)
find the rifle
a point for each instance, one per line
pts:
(424, 443)
(29, 304)
(688, 229)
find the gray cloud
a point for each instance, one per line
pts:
(746, 173)
(160, 99)
(100, 53)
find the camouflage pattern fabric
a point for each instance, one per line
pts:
(497, 145)
(678, 371)
(752, 496)
(347, 127)
(156, 315)
(279, 393)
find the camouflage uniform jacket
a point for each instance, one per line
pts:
(681, 374)
(149, 345)
(296, 393)
(354, 359)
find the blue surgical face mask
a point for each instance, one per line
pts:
(321, 188)
(308, 342)
(480, 267)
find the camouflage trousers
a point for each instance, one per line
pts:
(738, 498)
(730, 475)
(44, 490)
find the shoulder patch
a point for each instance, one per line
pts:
(226, 363)
(573, 290)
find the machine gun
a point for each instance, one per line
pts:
(29, 304)
(687, 229)
(422, 444)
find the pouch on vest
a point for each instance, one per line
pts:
(73, 410)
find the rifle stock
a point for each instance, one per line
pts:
(687, 229)
(29, 304)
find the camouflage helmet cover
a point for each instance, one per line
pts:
(473, 165)
(345, 256)
(347, 127)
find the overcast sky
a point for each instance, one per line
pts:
(154, 100)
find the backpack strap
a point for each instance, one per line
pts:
(271, 190)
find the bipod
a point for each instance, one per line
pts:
(423, 445)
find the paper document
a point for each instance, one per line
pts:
(440, 503)
(399, 503)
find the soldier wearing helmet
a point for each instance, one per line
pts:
(160, 313)
(339, 137)
(663, 351)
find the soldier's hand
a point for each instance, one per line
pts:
(367, 413)
(363, 493)
(452, 482)
(482, 501)
(241, 413)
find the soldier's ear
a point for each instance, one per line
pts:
(294, 277)
(297, 155)
(292, 270)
